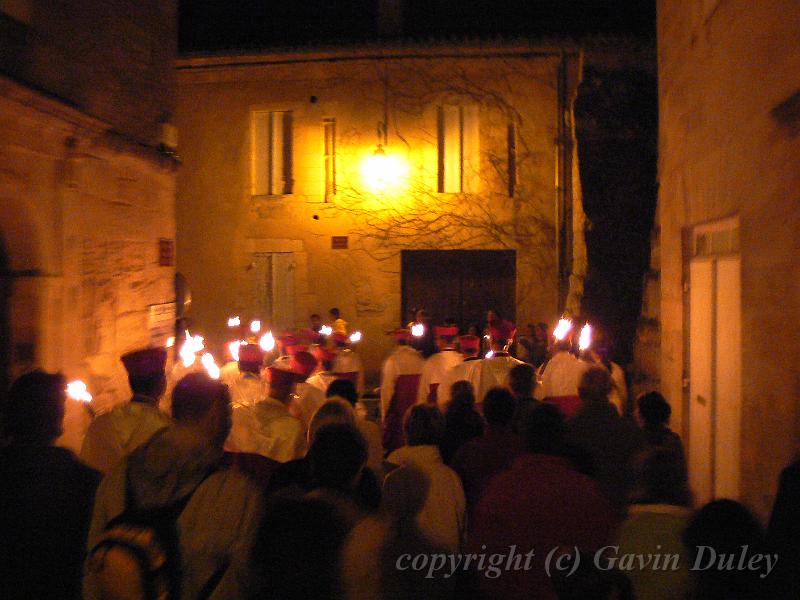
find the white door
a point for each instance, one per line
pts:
(273, 289)
(714, 346)
(700, 384)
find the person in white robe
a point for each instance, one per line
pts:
(438, 364)
(115, 434)
(470, 346)
(492, 371)
(348, 364)
(268, 428)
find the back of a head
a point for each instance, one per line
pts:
(337, 454)
(462, 393)
(661, 475)
(335, 410)
(334, 312)
(295, 555)
(498, 407)
(654, 409)
(423, 425)
(344, 388)
(521, 380)
(726, 526)
(544, 430)
(34, 410)
(595, 384)
(194, 396)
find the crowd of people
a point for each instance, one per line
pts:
(484, 476)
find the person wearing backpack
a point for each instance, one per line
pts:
(171, 521)
(46, 494)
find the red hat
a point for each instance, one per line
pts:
(148, 362)
(446, 330)
(303, 363)
(323, 353)
(251, 353)
(502, 332)
(292, 350)
(287, 338)
(401, 334)
(470, 343)
(278, 377)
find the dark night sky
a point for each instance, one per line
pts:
(227, 24)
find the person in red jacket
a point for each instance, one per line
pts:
(538, 507)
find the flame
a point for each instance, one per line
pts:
(562, 329)
(325, 330)
(355, 337)
(267, 342)
(191, 346)
(234, 322)
(210, 365)
(418, 330)
(77, 391)
(585, 339)
(255, 326)
(490, 354)
(170, 341)
(233, 348)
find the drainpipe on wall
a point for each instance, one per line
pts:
(563, 212)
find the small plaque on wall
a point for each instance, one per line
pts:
(339, 242)
(166, 252)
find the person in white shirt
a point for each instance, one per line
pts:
(600, 353)
(115, 434)
(438, 364)
(307, 398)
(268, 428)
(348, 364)
(493, 370)
(400, 376)
(443, 515)
(245, 382)
(470, 349)
(324, 375)
(560, 377)
(404, 360)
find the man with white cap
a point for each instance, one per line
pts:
(115, 434)
(438, 364)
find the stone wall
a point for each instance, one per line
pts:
(729, 143)
(81, 216)
(85, 196)
(222, 224)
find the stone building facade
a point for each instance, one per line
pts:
(86, 195)
(279, 217)
(729, 219)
